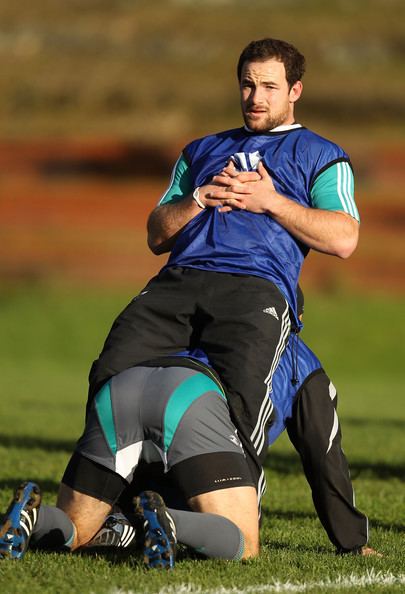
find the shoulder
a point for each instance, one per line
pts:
(314, 154)
(318, 145)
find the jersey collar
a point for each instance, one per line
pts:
(285, 128)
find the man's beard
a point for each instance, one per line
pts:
(270, 122)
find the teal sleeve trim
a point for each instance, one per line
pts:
(105, 416)
(181, 183)
(334, 190)
(181, 399)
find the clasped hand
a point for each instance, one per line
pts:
(234, 190)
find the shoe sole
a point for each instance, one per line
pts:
(158, 551)
(13, 542)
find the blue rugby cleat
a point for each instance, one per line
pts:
(159, 545)
(19, 521)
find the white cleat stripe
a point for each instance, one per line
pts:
(130, 537)
(25, 528)
(27, 518)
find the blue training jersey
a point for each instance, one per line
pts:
(242, 242)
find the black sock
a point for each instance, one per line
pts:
(53, 530)
(210, 534)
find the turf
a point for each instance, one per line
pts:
(49, 338)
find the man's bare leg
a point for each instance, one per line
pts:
(223, 524)
(86, 513)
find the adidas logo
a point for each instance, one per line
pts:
(271, 311)
(234, 440)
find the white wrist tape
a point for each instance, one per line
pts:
(196, 197)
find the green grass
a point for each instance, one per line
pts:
(49, 339)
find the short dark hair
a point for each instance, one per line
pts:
(265, 49)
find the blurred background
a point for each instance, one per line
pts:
(97, 98)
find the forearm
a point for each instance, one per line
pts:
(334, 233)
(166, 221)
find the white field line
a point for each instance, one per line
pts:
(370, 578)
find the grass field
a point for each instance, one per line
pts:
(49, 338)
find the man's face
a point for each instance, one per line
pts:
(266, 99)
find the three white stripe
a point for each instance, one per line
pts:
(261, 487)
(264, 414)
(258, 436)
(26, 522)
(172, 524)
(127, 536)
(345, 186)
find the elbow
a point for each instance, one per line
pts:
(346, 247)
(346, 237)
(156, 242)
(344, 252)
(156, 247)
(159, 245)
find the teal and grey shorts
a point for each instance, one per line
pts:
(176, 413)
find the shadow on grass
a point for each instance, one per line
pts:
(291, 464)
(400, 528)
(278, 514)
(279, 546)
(386, 423)
(47, 486)
(42, 443)
(381, 470)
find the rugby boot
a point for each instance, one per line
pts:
(117, 531)
(159, 531)
(19, 521)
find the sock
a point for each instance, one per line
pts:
(53, 529)
(210, 534)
